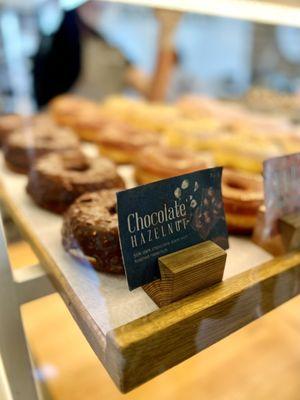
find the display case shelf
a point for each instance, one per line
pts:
(266, 11)
(134, 339)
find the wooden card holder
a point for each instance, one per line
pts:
(288, 237)
(273, 244)
(289, 227)
(187, 271)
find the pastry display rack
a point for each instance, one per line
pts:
(133, 338)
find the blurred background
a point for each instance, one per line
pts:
(90, 47)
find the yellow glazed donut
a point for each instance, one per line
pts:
(245, 152)
(185, 132)
(154, 117)
(120, 108)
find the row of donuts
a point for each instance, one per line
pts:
(84, 189)
(235, 137)
(152, 158)
(63, 180)
(58, 170)
(162, 141)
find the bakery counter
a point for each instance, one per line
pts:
(132, 337)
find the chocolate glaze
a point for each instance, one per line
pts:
(23, 147)
(90, 231)
(57, 179)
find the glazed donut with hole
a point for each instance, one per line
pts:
(155, 163)
(242, 197)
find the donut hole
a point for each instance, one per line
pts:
(234, 184)
(47, 138)
(112, 209)
(78, 165)
(87, 200)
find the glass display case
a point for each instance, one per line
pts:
(118, 95)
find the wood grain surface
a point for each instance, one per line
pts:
(187, 271)
(289, 227)
(146, 347)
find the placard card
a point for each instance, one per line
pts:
(281, 189)
(166, 216)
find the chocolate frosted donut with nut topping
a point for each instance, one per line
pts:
(57, 179)
(23, 147)
(90, 231)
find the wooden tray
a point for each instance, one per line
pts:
(134, 339)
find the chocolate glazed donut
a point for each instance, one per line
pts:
(57, 179)
(90, 231)
(23, 147)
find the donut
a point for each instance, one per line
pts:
(90, 231)
(246, 152)
(290, 142)
(242, 197)
(23, 147)
(89, 122)
(122, 143)
(259, 125)
(140, 115)
(155, 163)
(121, 108)
(57, 179)
(273, 102)
(65, 108)
(195, 134)
(8, 124)
(196, 106)
(153, 117)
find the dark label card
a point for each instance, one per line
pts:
(281, 189)
(166, 216)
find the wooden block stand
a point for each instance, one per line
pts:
(286, 240)
(289, 227)
(187, 271)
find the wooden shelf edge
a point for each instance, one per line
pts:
(95, 337)
(146, 347)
